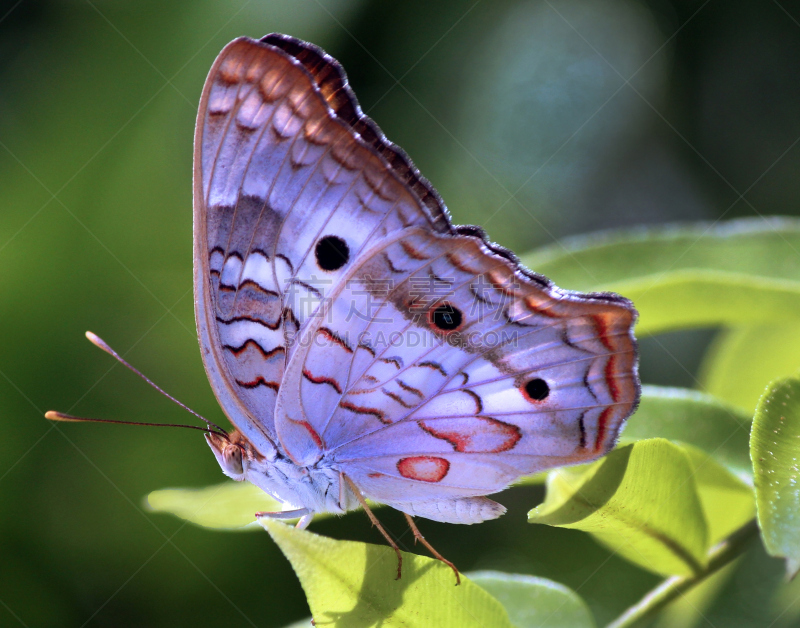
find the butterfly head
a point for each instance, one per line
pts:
(231, 454)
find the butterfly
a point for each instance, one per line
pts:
(362, 345)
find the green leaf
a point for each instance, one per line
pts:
(303, 623)
(227, 506)
(744, 271)
(681, 300)
(533, 602)
(687, 416)
(641, 501)
(742, 361)
(530, 602)
(728, 502)
(533, 480)
(353, 584)
(775, 449)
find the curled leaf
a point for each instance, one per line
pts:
(688, 416)
(775, 451)
(688, 276)
(743, 360)
(728, 502)
(641, 501)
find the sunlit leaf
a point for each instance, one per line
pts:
(701, 298)
(728, 502)
(775, 450)
(530, 602)
(536, 478)
(354, 584)
(533, 602)
(742, 272)
(303, 623)
(641, 501)
(226, 506)
(679, 414)
(742, 361)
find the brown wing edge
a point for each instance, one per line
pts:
(330, 79)
(213, 362)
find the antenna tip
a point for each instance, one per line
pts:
(52, 415)
(97, 341)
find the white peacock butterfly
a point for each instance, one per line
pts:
(362, 345)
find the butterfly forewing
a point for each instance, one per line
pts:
(286, 196)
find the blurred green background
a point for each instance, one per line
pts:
(538, 120)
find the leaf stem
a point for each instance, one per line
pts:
(720, 555)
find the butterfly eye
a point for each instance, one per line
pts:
(536, 389)
(446, 317)
(232, 457)
(332, 253)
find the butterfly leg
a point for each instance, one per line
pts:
(304, 521)
(304, 514)
(418, 537)
(375, 522)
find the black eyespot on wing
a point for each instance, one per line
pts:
(332, 253)
(445, 317)
(536, 390)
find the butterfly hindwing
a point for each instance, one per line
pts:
(438, 371)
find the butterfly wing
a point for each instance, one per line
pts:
(342, 316)
(466, 373)
(291, 184)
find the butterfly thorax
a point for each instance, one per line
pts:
(316, 487)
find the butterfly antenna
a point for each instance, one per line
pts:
(52, 415)
(102, 344)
